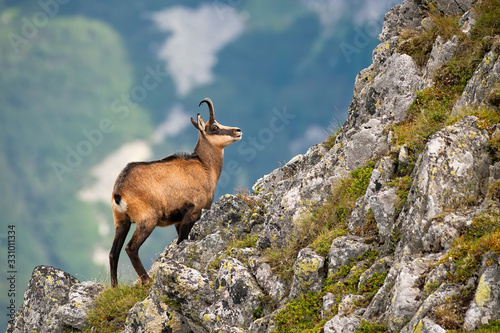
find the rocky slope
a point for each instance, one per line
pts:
(417, 249)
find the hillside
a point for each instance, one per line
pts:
(390, 225)
(67, 70)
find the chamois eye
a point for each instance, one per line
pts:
(215, 128)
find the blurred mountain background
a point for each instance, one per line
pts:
(88, 86)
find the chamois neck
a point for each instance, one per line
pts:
(211, 157)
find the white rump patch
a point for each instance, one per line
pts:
(122, 207)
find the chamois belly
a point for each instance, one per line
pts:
(173, 216)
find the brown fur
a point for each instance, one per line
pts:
(173, 190)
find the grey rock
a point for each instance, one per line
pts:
(435, 278)
(263, 325)
(231, 215)
(82, 298)
(47, 290)
(267, 280)
(340, 324)
(383, 205)
(467, 22)
(343, 250)
(382, 174)
(406, 15)
(427, 325)
(486, 76)
(442, 234)
(153, 315)
(380, 266)
(444, 293)
(452, 169)
(494, 172)
(486, 304)
(396, 84)
(378, 197)
(378, 309)
(185, 285)
(195, 253)
(366, 144)
(441, 53)
(403, 157)
(309, 271)
(329, 301)
(384, 97)
(347, 304)
(406, 296)
(238, 297)
(454, 7)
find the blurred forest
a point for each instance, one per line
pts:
(69, 70)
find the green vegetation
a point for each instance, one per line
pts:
(248, 241)
(303, 314)
(112, 306)
(488, 19)
(432, 108)
(369, 327)
(468, 249)
(330, 141)
(255, 204)
(418, 44)
(327, 222)
(402, 185)
(493, 326)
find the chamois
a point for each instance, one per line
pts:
(173, 190)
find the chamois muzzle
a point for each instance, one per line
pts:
(237, 133)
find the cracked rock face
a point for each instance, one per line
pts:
(238, 296)
(152, 315)
(343, 250)
(486, 303)
(82, 297)
(442, 52)
(48, 289)
(187, 286)
(308, 271)
(453, 169)
(485, 78)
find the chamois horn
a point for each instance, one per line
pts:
(210, 107)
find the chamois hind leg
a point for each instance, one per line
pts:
(122, 226)
(141, 233)
(187, 223)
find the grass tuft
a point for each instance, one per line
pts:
(112, 306)
(468, 249)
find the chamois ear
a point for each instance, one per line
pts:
(200, 124)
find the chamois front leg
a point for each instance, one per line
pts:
(188, 220)
(141, 233)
